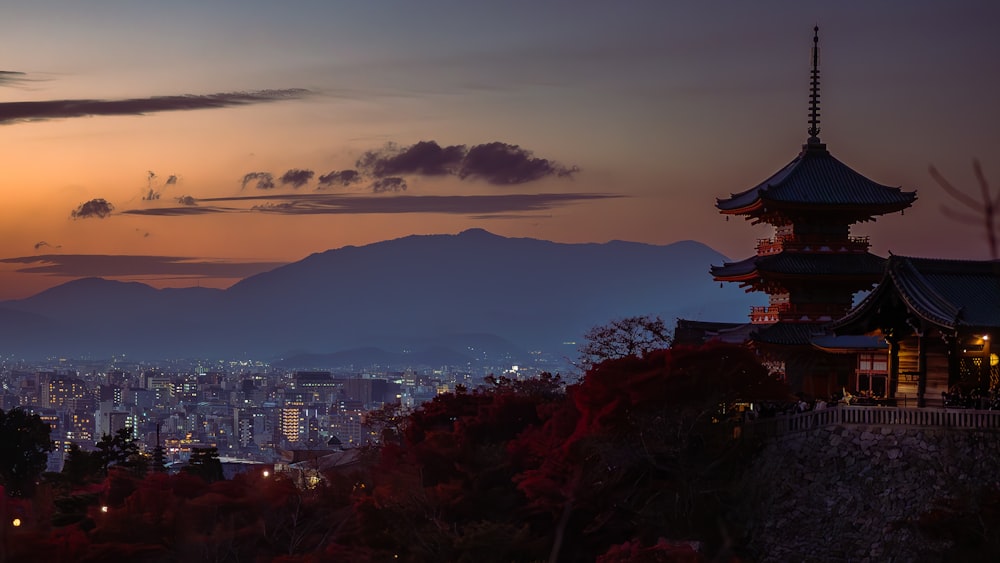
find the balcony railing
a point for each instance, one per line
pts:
(768, 314)
(802, 312)
(800, 243)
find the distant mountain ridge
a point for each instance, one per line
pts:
(414, 293)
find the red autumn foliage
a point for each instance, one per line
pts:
(638, 450)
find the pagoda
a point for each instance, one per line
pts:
(812, 267)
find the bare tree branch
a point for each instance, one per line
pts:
(986, 210)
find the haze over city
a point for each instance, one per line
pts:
(188, 144)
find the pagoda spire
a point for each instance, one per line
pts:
(814, 92)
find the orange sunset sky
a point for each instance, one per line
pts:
(188, 142)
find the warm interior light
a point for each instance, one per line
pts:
(104, 508)
(267, 473)
(986, 337)
(16, 522)
(994, 359)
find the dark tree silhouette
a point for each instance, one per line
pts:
(643, 448)
(621, 338)
(120, 449)
(984, 211)
(24, 448)
(205, 463)
(82, 466)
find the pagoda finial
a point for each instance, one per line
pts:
(814, 92)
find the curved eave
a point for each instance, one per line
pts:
(920, 296)
(855, 319)
(859, 212)
(866, 268)
(755, 208)
(742, 278)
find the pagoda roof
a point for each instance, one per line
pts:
(951, 294)
(689, 331)
(802, 263)
(816, 178)
(788, 334)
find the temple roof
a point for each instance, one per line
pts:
(788, 334)
(950, 294)
(849, 343)
(803, 263)
(692, 332)
(816, 178)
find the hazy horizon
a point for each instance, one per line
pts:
(195, 145)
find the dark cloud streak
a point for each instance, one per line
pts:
(60, 109)
(13, 78)
(86, 265)
(353, 204)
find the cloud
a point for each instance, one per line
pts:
(340, 178)
(99, 208)
(390, 184)
(42, 244)
(187, 200)
(59, 109)
(186, 209)
(265, 181)
(497, 163)
(505, 164)
(297, 177)
(12, 78)
(87, 265)
(153, 193)
(318, 203)
(425, 158)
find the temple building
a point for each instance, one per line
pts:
(938, 318)
(812, 266)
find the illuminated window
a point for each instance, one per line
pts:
(872, 373)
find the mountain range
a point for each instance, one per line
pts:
(418, 299)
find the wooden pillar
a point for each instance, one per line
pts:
(893, 366)
(954, 360)
(984, 368)
(921, 370)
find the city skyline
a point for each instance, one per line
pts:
(188, 145)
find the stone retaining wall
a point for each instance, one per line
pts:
(850, 493)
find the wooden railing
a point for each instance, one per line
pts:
(793, 243)
(872, 416)
(800, 312)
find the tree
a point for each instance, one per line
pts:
(985, 210)
(121, 449)
(644, 448)
(622, 338)
(24, 448)
(82, 466)
(205, 463)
